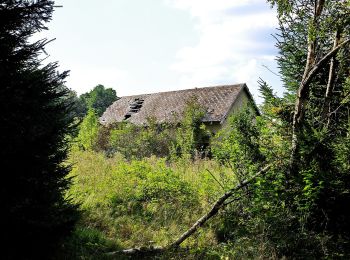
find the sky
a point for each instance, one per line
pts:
(147, 46)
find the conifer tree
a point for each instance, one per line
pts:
(313, 41)
(35, 122)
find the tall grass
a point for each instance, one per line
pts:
(141, 202)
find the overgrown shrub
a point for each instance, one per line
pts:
(134, 202)
(88, 131)
(141, 141)
(237, 144)
(189, 138)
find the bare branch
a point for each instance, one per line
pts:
(274, 73)
(215, 208)
(326, 105)
(324, 60)
(332, 66)
(212, 175)
(302, 95)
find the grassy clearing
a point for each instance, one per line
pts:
(140, 203)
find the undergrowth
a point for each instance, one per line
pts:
(141, 203)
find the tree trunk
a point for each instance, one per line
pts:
(303, 90)
(305, 85)
(327, 102)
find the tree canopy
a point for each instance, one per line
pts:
(99, 98)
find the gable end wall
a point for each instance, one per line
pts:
(241, 100)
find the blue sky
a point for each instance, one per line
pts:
(148, 46)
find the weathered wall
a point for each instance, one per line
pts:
(241, 101)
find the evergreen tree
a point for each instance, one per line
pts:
(35, 123)
(314, 115)
(299, 208)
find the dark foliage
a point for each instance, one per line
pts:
(98, 99)
(35, 124)
(80, 108)
(316, 189)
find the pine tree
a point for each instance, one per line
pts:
(35, 123)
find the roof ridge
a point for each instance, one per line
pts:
(162, 105)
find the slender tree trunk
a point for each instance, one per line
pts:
(305, 85)
(327, 102)
(303, 90)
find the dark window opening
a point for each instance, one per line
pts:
(134, 107)
(127, 116)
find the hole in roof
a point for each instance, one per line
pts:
(134, 107)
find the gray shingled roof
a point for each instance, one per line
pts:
(163, 106)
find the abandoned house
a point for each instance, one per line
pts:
(219, 103)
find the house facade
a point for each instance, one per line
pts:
(219, 103)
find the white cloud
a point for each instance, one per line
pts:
(205, 8)
(234, 42)
(84, 78)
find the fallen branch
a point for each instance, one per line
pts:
(220, 203)
(142, 251)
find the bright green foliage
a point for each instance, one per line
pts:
(140, 142)
(244, 145)
(130, 203)
(98, 99)
(260, 216)
(88, 131)
(186, 139)
(191, 135)
(237, 144)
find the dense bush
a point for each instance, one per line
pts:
(88, 131)
(141, 141)
(98, 99)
